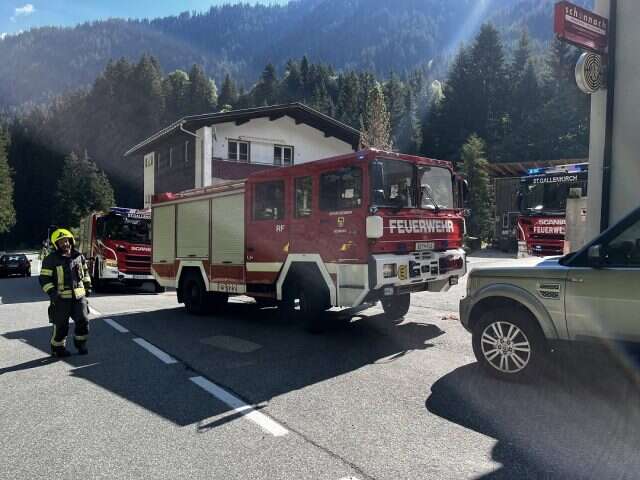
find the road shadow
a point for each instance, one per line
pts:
(126, 370)
(250, 351)
(581, 420)
(21, 290)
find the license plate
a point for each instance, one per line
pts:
(424, 245)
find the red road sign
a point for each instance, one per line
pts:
(581, 27)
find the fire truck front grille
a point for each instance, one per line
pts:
(421, 255)
(138, 262)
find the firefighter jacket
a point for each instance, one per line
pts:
(68, 275)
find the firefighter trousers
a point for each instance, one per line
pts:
(59, 313)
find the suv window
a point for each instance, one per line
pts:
(624, 250)
(268, 201)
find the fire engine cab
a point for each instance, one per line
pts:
(340, 232)
(542, 201)
(117, 245)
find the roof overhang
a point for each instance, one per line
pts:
(300, 113)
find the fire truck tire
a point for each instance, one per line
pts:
(397, 306)
(311, 307)
(194, 294)
(216, 301)
(96, 283)
(158, 288)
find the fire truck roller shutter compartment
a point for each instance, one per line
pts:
(227, 239)
(193, 230)
(164, 240)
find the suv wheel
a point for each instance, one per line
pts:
(508, 344)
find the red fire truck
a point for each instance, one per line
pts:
(338, 232)
(117, 245)
(542, 201)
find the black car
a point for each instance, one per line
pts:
(15, 264)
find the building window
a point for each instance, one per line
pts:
(158, 163)
(186, 152)
(238, 151)
(282, 155)
(303, 197)
(268, 201)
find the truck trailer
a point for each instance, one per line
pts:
(340, 232)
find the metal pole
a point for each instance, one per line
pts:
(608, 133)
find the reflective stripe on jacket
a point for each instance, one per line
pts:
(68, 275)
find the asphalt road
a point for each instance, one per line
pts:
(245, 395)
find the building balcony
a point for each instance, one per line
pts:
(227, 169)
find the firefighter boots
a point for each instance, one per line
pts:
(81, 346)
(59, 352)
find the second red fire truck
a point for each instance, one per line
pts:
(117, 245)
(341, 232)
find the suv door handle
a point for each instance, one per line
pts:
(576, 280)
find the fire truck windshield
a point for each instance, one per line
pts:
(133, 230)
(549, 195)
(394, 184)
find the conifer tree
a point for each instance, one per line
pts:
(228, 94)
(348, 108)
(176, 91)
(394, 95)
(82, 188)
(7, 210)
(266, 90)
(202, 92)
(480, 223)
(376, 130)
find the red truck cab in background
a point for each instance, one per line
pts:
(339, 232)
(542, 200)
(117, 245)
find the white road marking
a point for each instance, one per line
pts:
(239, 406)
(155, 351)
(116, 325)
(349, 478)
(94, 311)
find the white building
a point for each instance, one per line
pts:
(624, 184)
(200, 150)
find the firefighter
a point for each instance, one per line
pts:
(65, 278)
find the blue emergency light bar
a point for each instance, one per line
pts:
(572, 168)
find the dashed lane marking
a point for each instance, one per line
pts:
(239, 406)
(155, 351)
(115, 325)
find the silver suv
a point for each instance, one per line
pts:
(515, 313)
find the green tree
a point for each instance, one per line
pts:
(7, 210)
(82, 188)
(480, 222)
(265, 91)
(176, 91)
(376, 130)
(394, 94)
(348, 109)
(228, 94)
(202, 92)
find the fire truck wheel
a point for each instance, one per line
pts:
(158, 288)
(216, 301)
(397, 306)
(194, 294)
(311, 308)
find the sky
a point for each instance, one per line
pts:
(21, 15)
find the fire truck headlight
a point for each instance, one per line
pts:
(111, 263)
(389, 270)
